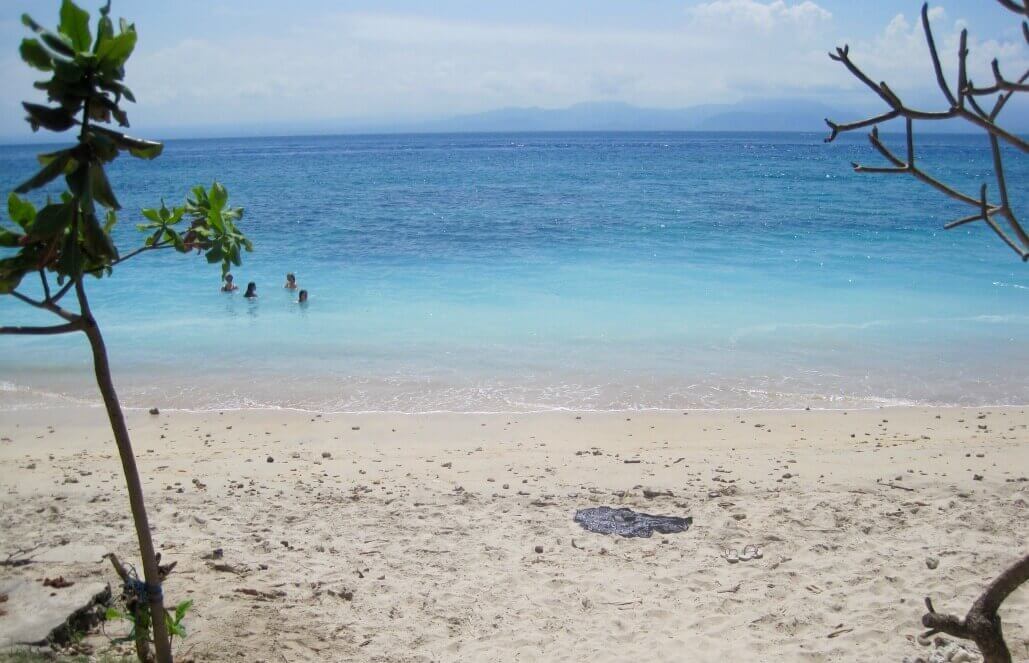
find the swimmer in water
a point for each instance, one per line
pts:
(228, 285)
(251, 292)
(303, 297)
(291, 281)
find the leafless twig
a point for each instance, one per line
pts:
(964, 104)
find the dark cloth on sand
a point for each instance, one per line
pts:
(626, 522)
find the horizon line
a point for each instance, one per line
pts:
(4, 142)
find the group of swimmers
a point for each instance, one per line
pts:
(251, 291)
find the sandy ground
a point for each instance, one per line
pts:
(413, 537)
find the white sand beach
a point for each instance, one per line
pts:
(414, 537)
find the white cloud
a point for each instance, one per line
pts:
(899, 55)
(766, 16)
(374, 67)
(361, 65)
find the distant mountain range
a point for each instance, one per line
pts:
(751, 115)
(788, 115)
(764, 115)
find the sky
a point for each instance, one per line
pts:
(222, 67)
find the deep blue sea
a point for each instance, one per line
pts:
(513, 272)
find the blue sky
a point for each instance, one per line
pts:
(211, 65)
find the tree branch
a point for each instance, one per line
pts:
(133, 254)
(47, 306)
(66, 328)
(1000, 83)
(982, 624)
(1013, 6)
(937, 67)
(974, 113)
(46, 284)
(841, 128)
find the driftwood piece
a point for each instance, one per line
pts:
(982, 623)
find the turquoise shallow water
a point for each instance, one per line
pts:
(540, 271)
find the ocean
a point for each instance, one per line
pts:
(524, 272)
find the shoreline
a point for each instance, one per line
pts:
(428, 523)
(555, 410)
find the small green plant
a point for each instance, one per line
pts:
(140, 621)
(68, 240)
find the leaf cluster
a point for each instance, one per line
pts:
(141, 620)
(210, 227)
(71, 236)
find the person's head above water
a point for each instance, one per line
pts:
(228, 285)
(302, 297)
(251, 290)
(291, 280)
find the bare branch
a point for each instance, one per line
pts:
(873, 138)
(1001, 84)
(27, 300)
(842, 128)
(1024, 253)
(937, 67)
(910, 142)
(46, 284)
(994, 129)
(47, 306)
(1007, 95)
(982, 624)
(843, 55)
(919, 173)
(63, 291)
(1013, 6)
(971, 218)
(133, 254)
(142, 249)
(972, 112)
(66, 328)
(963, 67)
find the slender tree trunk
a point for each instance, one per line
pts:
(151, 573)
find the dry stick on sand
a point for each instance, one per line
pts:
(964, 105)
(982, 623)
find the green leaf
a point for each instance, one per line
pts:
(69, 71)
(113, 614)
(181, 610)
(176, 240)
(101, 187)
(137, 147)
(119, 90)
(105, 148)
(8, 239)
(20, 210)
(75, 25)
(34, 55)
(218, 196)
(50, 221)
(59, 43)
(46, 175)
(97, 243)
(109, 220)
(70, 262)
(104, 27)
(78, 181)
(151, 214)
(115, 50)
(9, 281)
(54, 119)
